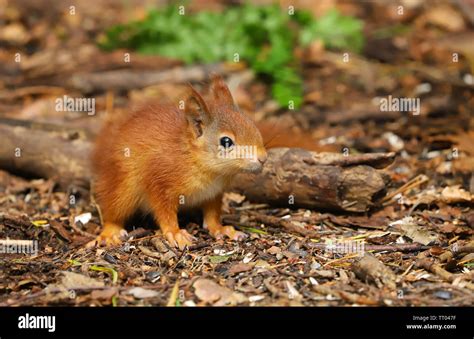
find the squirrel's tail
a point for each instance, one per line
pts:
(279, 133)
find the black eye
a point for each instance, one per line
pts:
(226, 142)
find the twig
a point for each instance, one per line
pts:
(434, 268)
(126, 79)
(379, 248)
(417, 181)
(275, 221)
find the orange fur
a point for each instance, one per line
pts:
(280, 133)
(155, 157)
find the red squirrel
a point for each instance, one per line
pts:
(163, 159)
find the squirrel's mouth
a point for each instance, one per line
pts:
(254, 167)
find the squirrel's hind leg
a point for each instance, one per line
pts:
(116, 207)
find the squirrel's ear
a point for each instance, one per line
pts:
(220, 92)
(197, 112)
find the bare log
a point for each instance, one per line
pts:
(125, 79)
(40, 153)
(292, 177)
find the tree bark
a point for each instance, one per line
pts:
(296, 177)
(59, 155)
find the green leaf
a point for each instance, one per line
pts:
(74, 262)
(108, 270)
(217, 259)
(262, 36)
(336, 31)
(252, 230)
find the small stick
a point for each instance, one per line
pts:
(380, 248)
(417, 181)
(275, 221)
(434, 268)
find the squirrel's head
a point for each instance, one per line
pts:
(226, 140)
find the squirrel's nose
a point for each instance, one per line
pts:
(262, 157)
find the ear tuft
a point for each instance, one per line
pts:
(197, 112)
(220, 92)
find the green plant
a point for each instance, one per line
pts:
(262, 36)
(336, 31)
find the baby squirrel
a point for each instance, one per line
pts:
(164, 159)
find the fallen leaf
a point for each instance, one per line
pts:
(84, 218)
(448, 228)
(445, 17)
(142, 293)
(239, 267)
(210, 292)
(262, 264)
(234, 197)
(104, 294)
(293, 293)
(173, 299)
(274, 250)
(413, 231)
(446, 295)
(255, 298)
(216, 259)
(455, 194)
(71, 280)
(40, 223)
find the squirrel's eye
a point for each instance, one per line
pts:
(226, 142)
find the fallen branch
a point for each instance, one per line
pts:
(379, 248)
(291, 177)
(39, 153)
(436, 269)
(270, 220)
(347, 296)
(127, 79)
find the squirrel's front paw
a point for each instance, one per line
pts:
(228, 231)
(180, 239)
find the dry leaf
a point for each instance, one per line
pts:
(239, 267)
(210, 292)
(446, 17)
(73, 280)
(142, 293)
(105, 294)
(415, 232)
(455, 194)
